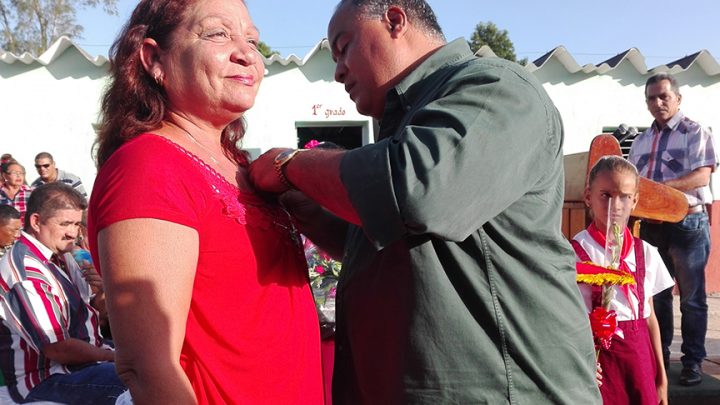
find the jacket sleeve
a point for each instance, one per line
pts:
(487, 138)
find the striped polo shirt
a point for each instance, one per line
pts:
(39, 305)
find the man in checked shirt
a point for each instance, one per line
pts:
(679, 153)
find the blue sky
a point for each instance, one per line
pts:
(592, 31)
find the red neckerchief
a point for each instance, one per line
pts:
(627, 247)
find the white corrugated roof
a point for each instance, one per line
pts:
(54, 51)
(323, 44)
(702, 58)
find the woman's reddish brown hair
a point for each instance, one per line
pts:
(132, 102)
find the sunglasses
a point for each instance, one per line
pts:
(45, 166)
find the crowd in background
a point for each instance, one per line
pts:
(14, 188)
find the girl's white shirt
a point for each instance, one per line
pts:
(657, 278)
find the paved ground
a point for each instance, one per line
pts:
(708, 392)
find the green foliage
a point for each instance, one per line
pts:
(498, 40)
(32, 25)
(265, 50)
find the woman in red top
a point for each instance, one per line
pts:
(206, 284)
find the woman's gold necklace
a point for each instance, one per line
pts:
(195, 141)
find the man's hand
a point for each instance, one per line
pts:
(315, 172)
(72, 351)
(263, 175)
(300, 206)
(92, 277)
(324, 229)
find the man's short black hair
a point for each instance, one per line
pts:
(51, 197)
(44, 155)
(658, 77)
(419, 11)
(8, 213)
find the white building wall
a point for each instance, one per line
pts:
(590, 102)
(52, 109)
(294, 95)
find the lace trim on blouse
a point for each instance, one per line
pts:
(244, 208)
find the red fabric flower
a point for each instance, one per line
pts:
(603, 324)
(311, 144)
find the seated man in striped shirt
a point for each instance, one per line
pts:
(49, 173)
(51, 348)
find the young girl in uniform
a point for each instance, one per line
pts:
(632, 368)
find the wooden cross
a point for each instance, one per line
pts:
(657, 201)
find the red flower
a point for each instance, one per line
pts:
(603, 324)
(311, 144)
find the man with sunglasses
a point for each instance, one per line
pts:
(45, 166)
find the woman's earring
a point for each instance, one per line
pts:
(158, 79)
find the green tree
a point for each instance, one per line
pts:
(265, 50)
(498, 40)
(32, 25)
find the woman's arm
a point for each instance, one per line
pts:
(661, 381)
(148, 268)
